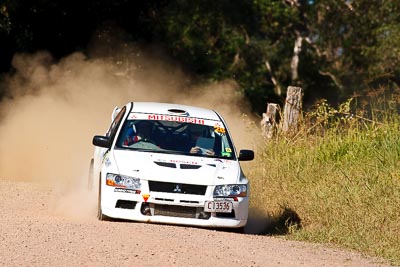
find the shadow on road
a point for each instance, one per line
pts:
(282, 223)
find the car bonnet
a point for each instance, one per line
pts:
(177, 168)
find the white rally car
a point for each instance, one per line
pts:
(169, 163)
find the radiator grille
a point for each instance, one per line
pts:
(175, 211)
(177, 188)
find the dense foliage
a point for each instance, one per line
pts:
(331, 48)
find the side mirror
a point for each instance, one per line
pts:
(246, 155)
(101, 141)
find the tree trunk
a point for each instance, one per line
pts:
(269, 120)
(292, 109)
(277, 87)
(294, 65)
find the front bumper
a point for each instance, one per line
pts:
(171, 208)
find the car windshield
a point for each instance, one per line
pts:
(203, 137)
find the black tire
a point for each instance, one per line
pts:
(239, 230)
(100, 214)
(90, 176)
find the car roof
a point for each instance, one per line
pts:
(174, 109)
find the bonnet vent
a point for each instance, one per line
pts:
(165, 164)
(190, 166)
(178, 111)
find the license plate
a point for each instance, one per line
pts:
(218, 206)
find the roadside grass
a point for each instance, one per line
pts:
(340, 175)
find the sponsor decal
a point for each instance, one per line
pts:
(180, 119)
(132, 116)
(145, 197)
(225, 154)
(125, 190)
(183, 162)
(175, 118)
(223, 199)
(106, 160)
(178, 189)
(219, 129)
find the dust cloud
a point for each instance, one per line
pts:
(52, 109)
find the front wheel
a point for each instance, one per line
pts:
(100, 214)
(90, 177)
(240, 230)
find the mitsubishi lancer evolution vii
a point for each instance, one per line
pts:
(172, 164)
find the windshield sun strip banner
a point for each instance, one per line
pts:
(182, 119)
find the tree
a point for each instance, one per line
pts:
(5, 24)
(240, 40)
(354, 43)
(331, 48)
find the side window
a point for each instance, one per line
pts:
(114, 125)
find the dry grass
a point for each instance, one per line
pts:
(339, 179)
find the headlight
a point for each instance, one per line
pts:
(122, 181)
(230, 190)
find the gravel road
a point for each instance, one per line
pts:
(45, 226)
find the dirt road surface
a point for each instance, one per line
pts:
(45, 226)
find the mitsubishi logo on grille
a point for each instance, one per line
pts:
(178, 189)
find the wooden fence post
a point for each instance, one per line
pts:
(292, 109)
(269, 120)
